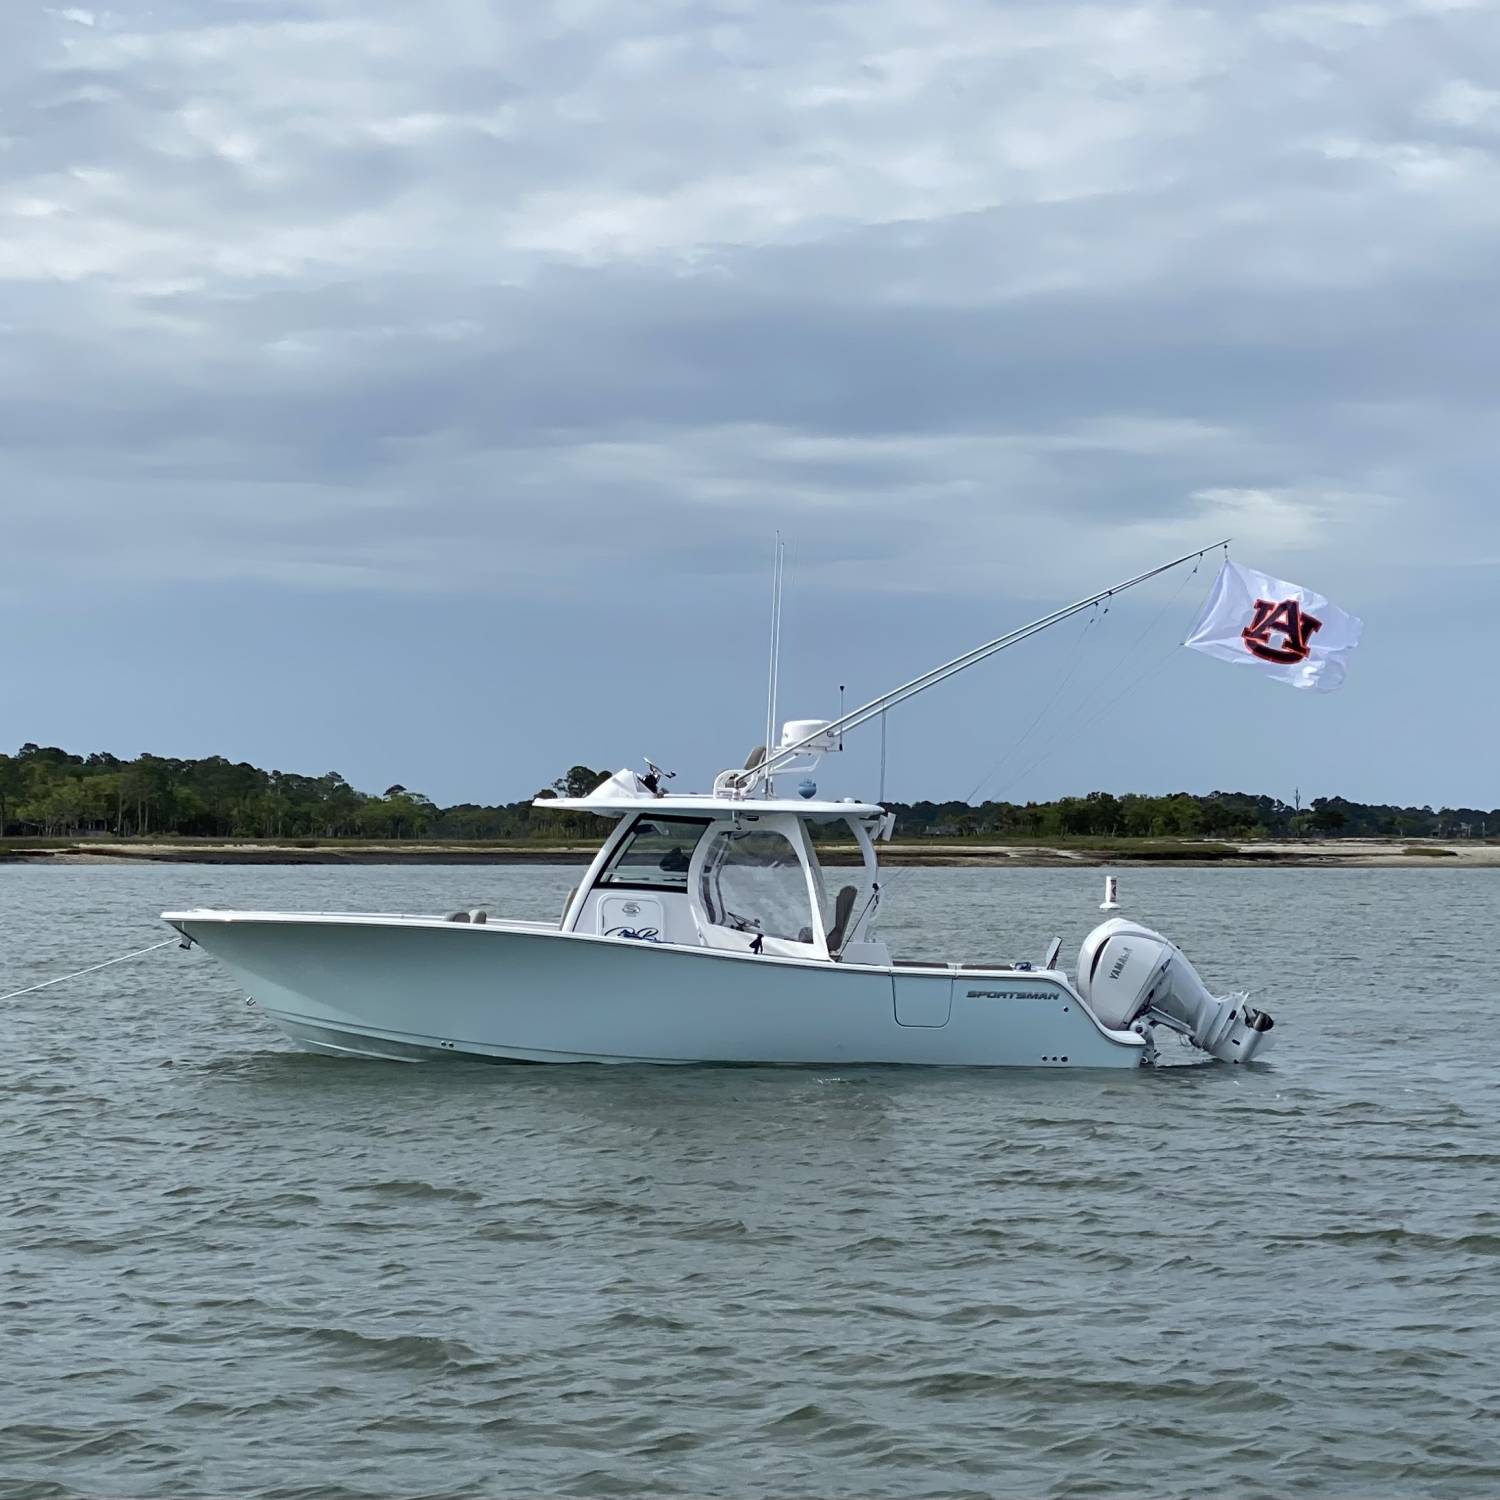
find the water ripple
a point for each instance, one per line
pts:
(235, 1269)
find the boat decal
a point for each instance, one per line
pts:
(1011, 994)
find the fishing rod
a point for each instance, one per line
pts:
(876, 706)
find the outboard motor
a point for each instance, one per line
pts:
(1132, 978)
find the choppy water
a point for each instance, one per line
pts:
(230, 1268)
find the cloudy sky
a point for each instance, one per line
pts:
(415, 390)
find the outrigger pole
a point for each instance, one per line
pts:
(876, 706)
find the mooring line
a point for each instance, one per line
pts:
(92, 968)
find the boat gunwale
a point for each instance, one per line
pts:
(521, 928)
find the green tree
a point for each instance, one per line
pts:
(579, 782)
(402, 816)
(12, 789)
(1328, 817)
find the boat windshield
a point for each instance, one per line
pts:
(753, 881)
(655, 854)
(832, 881)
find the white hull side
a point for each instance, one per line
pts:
(413, 989)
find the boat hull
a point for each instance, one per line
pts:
(414, 989)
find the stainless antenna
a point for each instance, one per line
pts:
(778, 562)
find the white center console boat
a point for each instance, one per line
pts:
(707, 930)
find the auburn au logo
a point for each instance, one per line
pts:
(1287, 619)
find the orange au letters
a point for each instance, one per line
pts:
(1285, 618)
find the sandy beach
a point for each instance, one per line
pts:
(1348, 853)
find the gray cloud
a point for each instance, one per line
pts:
(321, 296)
(426, 339)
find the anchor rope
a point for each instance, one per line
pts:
(92, 969)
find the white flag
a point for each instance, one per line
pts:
(1288, 632)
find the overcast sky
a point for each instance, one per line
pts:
(414, 390)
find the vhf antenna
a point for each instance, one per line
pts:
(778, 563)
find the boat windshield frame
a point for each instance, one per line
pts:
(817, 895)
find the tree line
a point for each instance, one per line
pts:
(48, 792)
(45, 791)
(1221, 815)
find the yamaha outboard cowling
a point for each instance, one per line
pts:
(1132, 978)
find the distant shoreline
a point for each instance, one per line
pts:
(1192, 853)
